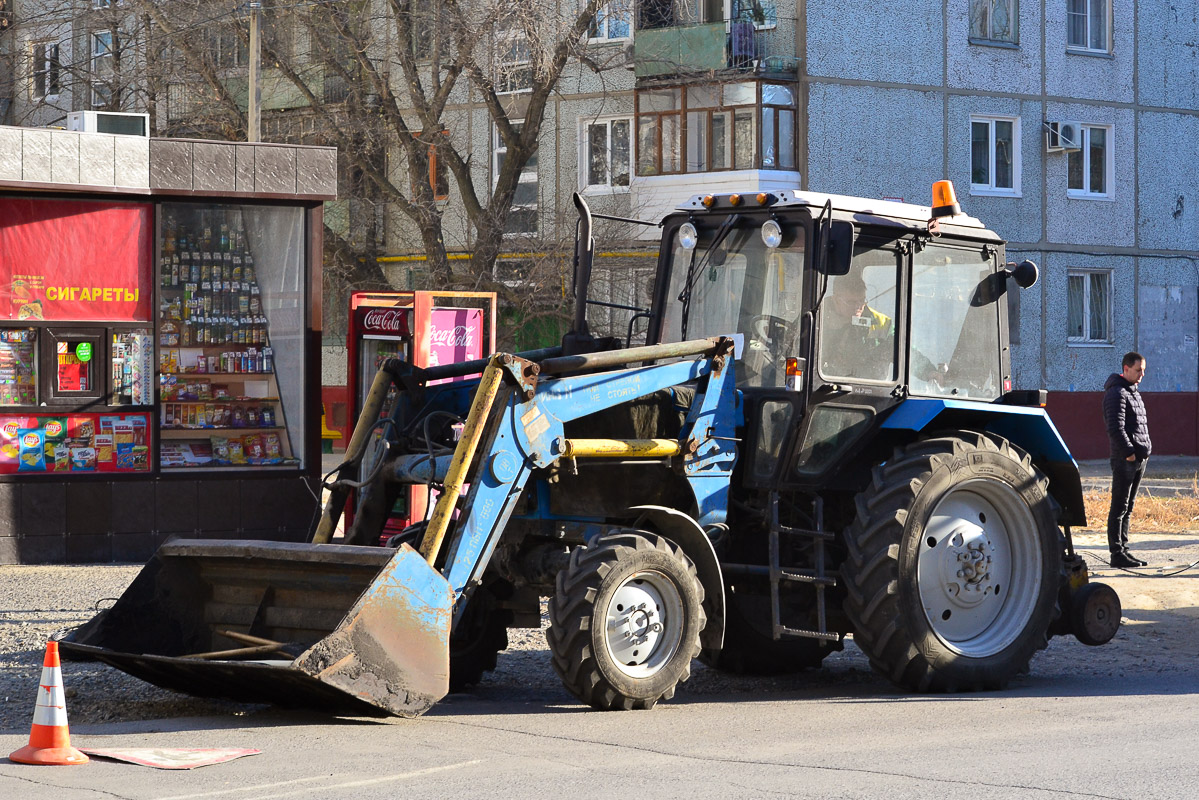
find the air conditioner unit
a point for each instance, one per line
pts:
(1061, 136)
(109, 122)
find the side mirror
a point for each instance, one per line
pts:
(836, 239)
(1024, 273)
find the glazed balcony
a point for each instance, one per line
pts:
(728, 46)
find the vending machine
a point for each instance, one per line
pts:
(426, 329)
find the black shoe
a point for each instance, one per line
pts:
(1140, 561)
(1124, 560)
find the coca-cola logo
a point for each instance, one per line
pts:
(391, 320)
(458, 336)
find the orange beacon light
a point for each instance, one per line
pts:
(945, 202)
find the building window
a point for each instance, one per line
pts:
(762, 13)
(522, 218)
(607, 154)
(742, 125)
(226, 49)
(424, 25)
(995, 20)
(46, 71)
(1088, 25)
(1089, 169)
(1089, 301)
(514, 69)
(613, 21)
(102, 68)
(995, 155)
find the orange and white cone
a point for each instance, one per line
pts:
(49, 739)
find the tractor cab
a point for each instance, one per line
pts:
(844, 306)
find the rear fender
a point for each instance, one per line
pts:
(687, 534)
(1029, 428)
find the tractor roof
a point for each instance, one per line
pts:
(862, 209)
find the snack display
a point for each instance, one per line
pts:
(217, 382)
(74, 443)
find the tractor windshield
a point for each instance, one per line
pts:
(955, 323)
(732, 282)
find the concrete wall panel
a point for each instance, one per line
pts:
(1013, 218)
(894, 151)
(895, 42)
(995, 68)
(1088, 221)
(1168, 157)
(1168, 54)
(1106, 77)
(1084, 367)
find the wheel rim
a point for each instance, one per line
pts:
(979, 567)
(644, 623)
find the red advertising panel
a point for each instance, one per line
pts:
(75, 443)
(75, 260)
(384, 321)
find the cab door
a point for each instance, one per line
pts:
(858, 364)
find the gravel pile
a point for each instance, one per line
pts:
(39, 601)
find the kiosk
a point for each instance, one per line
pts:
(159, 342)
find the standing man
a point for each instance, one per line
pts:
(1128, 432)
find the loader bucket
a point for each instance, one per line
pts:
(356, 630)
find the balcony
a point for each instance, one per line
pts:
(726, 46)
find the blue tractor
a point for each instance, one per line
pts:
(818, 438)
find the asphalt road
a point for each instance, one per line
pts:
(837, 733)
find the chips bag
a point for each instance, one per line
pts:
(32, 442)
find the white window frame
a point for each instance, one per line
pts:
(44, 67)
(1088, 275)
(527, 175)
(585, 126)
(101, 53)
(598, 32)
(1086, 46)
(1109, 167)
(989, 188)
(506, 82)
(990, 36)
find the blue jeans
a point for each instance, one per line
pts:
(1126, 478)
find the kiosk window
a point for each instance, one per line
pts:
(73, 354)
(18, 366)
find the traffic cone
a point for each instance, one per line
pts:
(49, 739)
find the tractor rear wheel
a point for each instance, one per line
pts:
(625, 620)
(954, 562)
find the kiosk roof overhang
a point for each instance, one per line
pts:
(43, 159)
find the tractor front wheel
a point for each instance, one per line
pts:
(625, 620)
(954, 563)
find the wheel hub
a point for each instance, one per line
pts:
(978, 567)
(966, 565)
(639, 619)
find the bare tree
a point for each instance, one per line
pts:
(389, 82)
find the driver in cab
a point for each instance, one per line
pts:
(856, 341)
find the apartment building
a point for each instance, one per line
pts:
(1069, 126)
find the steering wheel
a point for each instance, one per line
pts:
(771, 331)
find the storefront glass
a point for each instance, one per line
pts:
(230, 336)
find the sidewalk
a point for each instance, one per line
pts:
(1176, 467)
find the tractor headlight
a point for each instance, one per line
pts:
(688, 236)
(772, 234)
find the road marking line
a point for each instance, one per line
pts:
(348, 785)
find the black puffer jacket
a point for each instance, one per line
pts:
(1124, 412)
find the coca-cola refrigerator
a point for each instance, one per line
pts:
(426, 329)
